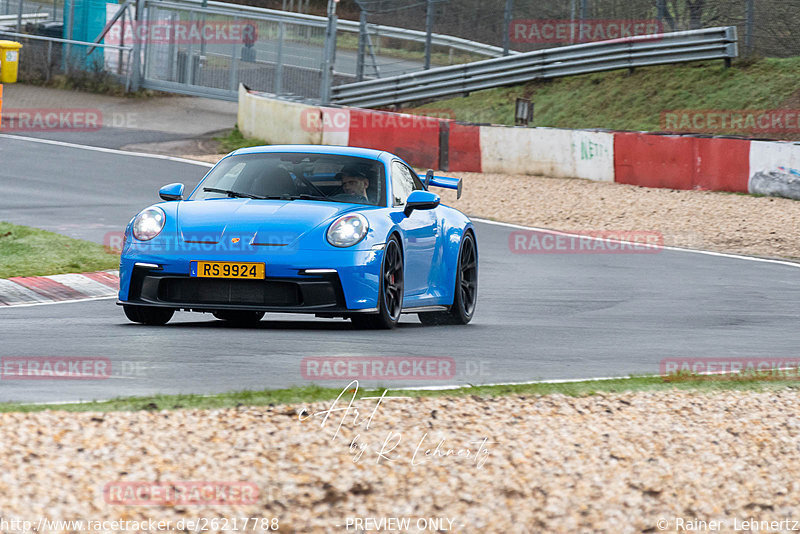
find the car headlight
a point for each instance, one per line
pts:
(148, 224)
(347, 230)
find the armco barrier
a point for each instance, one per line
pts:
(681, 162)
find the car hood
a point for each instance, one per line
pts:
(257, 222)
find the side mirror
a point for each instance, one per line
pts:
(428, 178)
(421, 200)
(171, 192)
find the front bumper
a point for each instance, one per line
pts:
(163, 280)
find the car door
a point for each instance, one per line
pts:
(420, 235)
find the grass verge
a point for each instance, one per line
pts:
(27, 251)
(235, 140)
(621, 100)
(313, 393)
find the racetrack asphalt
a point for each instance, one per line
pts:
(539, 316)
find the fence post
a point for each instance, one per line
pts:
(572, 10)
(329, 54)
(135, 61)
(584, 10)
(362, 45)
(662, 10)
(279, 60)
(507, 26)
(68, 56)
(749, 26)
(428, 32)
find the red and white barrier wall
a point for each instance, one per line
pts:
(649, 160)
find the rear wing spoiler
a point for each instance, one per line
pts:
(445, 182)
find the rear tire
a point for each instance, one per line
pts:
(466, 290)
(149, 315)
(239, 317)
(390, 293)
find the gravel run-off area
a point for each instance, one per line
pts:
(605, 463)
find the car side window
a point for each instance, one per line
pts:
(404, 181)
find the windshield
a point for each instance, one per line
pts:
(325, 177)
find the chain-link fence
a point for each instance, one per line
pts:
(766, 27)
(48, 9)
(266, 55)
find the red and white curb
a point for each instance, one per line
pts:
(32, 290)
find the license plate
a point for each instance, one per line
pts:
(227, 269)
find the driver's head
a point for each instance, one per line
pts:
(354, 182)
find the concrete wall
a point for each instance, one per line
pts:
(637, 158)
(277, 121)
(774, 169)
(548, 152)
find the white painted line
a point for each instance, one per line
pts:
(13, 292)
(83, 284)
(49, 302)
(106, 150)
(675, 249)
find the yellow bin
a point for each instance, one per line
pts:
(9, 61)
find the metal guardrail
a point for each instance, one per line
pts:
(628, 52)
(67, 43)
(221, 8)
(25, 17)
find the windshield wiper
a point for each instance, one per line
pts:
(295, 197)
(232, 194)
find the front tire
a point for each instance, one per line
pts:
(239, 317)
(149, 315)
(390, 293)
(466, 290)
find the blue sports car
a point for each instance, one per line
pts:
(333, 231)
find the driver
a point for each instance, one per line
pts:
(354, 186)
